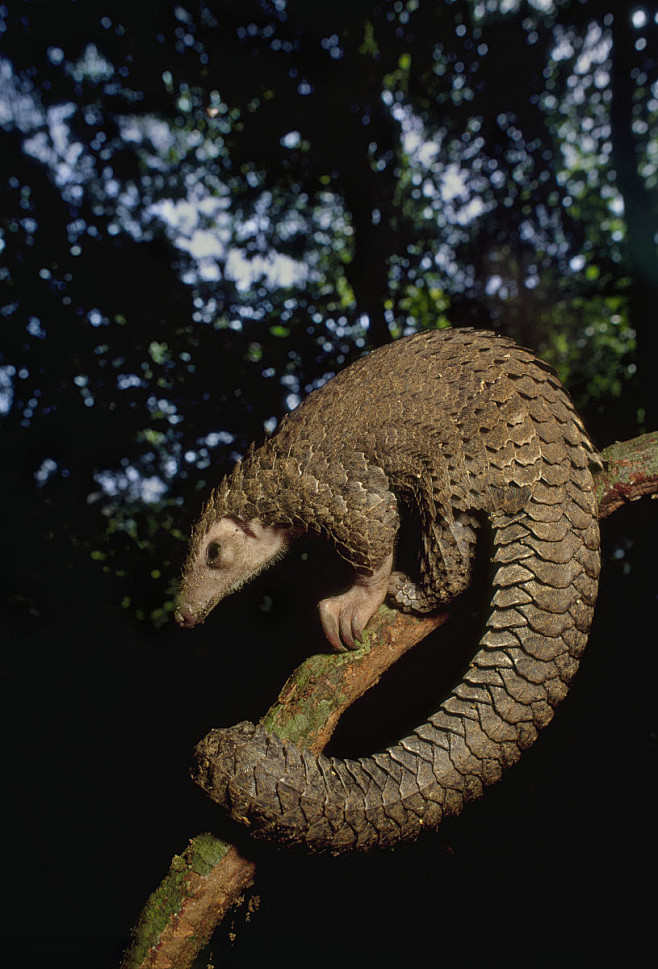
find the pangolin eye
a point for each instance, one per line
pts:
(212, 554)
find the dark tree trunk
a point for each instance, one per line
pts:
(641, 205)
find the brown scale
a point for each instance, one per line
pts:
(455, 427)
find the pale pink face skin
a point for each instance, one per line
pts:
(231, 553)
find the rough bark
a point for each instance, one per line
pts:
(210, 878)
(630, 471)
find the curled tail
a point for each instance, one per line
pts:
(545, 585)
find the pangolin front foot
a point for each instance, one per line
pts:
(344, 617)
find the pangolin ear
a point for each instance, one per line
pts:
(230, 525)
(247, 527)
(253, 528)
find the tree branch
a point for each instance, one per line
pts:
(210, 877)
(630, 471)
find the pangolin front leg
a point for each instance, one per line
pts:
(344, 617)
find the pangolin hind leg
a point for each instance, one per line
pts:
(445, 569)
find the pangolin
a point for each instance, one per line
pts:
(458, 428)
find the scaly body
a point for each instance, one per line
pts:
(455, 428)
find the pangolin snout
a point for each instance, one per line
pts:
(185, 617)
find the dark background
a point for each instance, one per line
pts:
(206, 210)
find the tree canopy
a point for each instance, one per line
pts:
(209, 208)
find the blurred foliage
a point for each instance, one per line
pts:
(210, 207)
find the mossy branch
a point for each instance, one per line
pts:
(630, 471)
(210, 877)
